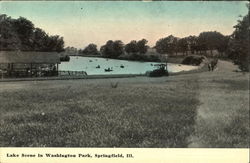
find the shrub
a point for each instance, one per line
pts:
(193, 60)
(158, 72)
(65, 58)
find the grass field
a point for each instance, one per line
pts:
(208, 109)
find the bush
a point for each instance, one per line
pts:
(65, 58)
(193, 60)
(158, 72)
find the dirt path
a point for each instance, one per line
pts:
(218, 105)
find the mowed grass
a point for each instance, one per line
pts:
(208, 109)
(223, 116)
(84, 114)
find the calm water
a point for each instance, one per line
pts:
(91, 64)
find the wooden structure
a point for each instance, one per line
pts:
(28, 64)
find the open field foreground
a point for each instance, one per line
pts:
(208, 109)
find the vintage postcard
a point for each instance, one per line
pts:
(124, 81)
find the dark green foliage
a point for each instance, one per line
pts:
(131, 47)
(65, 58)
(20, 34)
(135, 47)
(167, 45)
(8, 36)
(193, 60)
(182, 45)
(91, 49)
(212, 40)
(112, 49)
(158, 72)
(142, 47)
(192, 42)
(239, 48)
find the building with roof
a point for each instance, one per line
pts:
(28, 64)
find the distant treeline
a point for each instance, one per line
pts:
(20, 34)
(234, 46)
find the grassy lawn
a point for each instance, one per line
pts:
(223, 116)
(76, 114)
(208, 109)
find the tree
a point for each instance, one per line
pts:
(239, 48)
(71, 50)
(39, 39)
(203, 42)
(91, 49)
(54, 43)
(8, 37)
(20, 34)
(166, 45)
(131, 47)
(182, 45)
(24, 29)
(210, 40)
(142, 46)
(112, 49)
(192, 44)
(223, 44)
(118, 48)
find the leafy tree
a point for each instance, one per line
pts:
(20, 34)
(24, 29)
(142, 46)
(239, 48)
(39, 39)
(131, 47)
(71, 50)
(107, 49)
(210, 41)
(203, 41)
(8, 36)
(118, 48)
(91, 49)
(57, 43)
(135, 47)
(192, 44)
(112, 49)
(166, 45)
(162, 46)
(223, 44)
(182, 45)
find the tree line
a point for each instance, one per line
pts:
(234, 46)
(21, 34)
(206, 41)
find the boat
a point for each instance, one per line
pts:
(108, 70)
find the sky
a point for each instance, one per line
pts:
(84, 22)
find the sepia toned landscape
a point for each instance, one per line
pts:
(140, 86)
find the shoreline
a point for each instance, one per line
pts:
(198, 70)
(201, 68)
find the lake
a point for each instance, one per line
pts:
(97, 66)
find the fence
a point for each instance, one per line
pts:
(27, 74)
(72, 73)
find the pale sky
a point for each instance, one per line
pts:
(84, 22)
